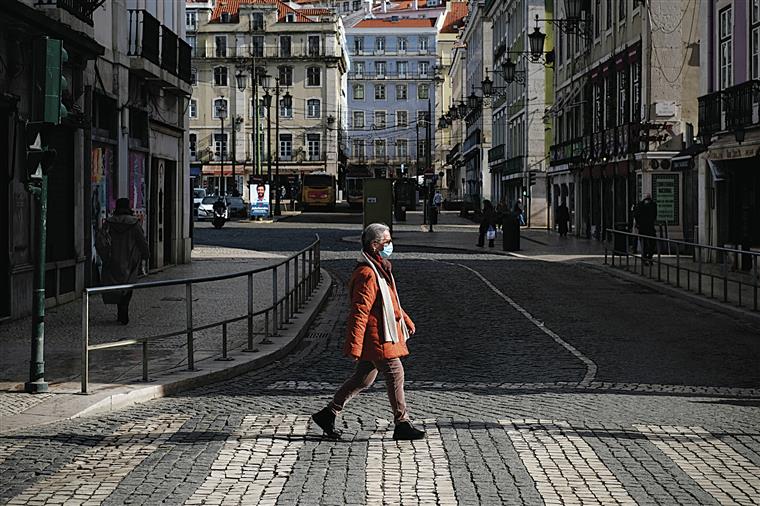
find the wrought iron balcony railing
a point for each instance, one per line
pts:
(80, 9)
(730, 109)
(496, 153)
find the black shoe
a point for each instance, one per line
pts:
(123, 315)
(326, 421)
(405, 431)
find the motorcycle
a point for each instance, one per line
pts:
(220, 217)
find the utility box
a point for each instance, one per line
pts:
(378, 202)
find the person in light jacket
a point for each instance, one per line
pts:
(376, 335)
(122, 254)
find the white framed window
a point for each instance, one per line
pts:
(192, 109)
(285, 45)
(726, 48)
(286, 76)
(314, 43)
(423, 91)
(359, 71)
(402, 118)
(192, 41)
(380, 119)
(380, 68)
(401, 92)
(286, 107)
(290, 17)
(220, 146)
(286, 147)
(755, 39)
(313, 76)
(192, 146)
(358, 148)
(423, 44)
(379, 92)
(220, 104)
(424, 67)
(191, 20)
(635, 91)
(379, 148)
(194, 76)
(313, 108)
(257, 46)
(314, 146)
(402, 68)
(220, 46)
(220, 76)
(358, 118)
(422, 118)
(403, 44)
(358, 44)
(358, 92)
(379, 43)
(402, 148)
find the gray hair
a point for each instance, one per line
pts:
(373, 232)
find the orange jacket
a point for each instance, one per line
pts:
(364, 335)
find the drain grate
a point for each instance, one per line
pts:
(317, 336)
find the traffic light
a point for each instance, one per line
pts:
(49, 81)
(39, 158)
(531, 178)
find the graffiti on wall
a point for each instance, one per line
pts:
(103, 197)
(136, 182)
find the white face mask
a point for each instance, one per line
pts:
(387, 250)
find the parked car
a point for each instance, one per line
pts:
(206, 208)
(237, 207)
(198, 195)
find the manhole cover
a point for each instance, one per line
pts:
(173, 299)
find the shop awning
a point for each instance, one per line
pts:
(684, 159)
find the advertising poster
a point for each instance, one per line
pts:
(665, 194)
(103, 198)
(259, 200)
(136, 182)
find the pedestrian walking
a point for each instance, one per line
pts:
(437, 200)
(563, 218)
(518, 210)
(487, 227)
(122, 247)
(646, 216)
(501, 213)
(376, 335)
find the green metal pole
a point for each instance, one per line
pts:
(37, 383)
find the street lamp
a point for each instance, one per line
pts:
(511, 74)
(462, 107)
(287, 102)
(221, 113)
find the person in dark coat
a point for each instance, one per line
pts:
(563, 218)
(646, 216)
(518, 210)
(488, 220)
(122, 247)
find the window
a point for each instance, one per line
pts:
(423, 43)
(622, 9)
(357, 4)
(192, 109)
(358, 44)
(220, 146)
(379, 92)
(290, 17)
(286, 146)
(359, 68)
(597, 18)
(220, 104)
(358, 92)
(402, 68)
(286, 76)
(220, 76)
(257, 46)
(192, 41)
(423, 91)
(257, 21)
(609, 15)
(192, 141)
(358, 148)
(191, 20)
(346, 6)
(313, 146)
(194, 76)
(286, 107)
(636, 92)
(402, 148)
(220, 44)
(402, 43)
(755, 39)
(261, 108)
(379, 148)
(424, 67)
(358, 119)
(622, 102)
(401, 92)
(313, 108)
(379, 43)
(380, 68)
(598, 106)
(380, 119)
(422, 118)
(421, 148)
(726, 49)
(402, 118)
(285, 46)
(313, 44)
(313, 76)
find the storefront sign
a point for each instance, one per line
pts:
(666, 196)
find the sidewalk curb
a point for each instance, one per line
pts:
(661, 287)
(493, 251)
(66, 406)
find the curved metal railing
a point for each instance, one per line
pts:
(282, 309)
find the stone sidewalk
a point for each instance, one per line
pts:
(115, 375)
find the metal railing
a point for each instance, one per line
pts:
(731, 273)
(305, 279)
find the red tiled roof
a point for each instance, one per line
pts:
(232, 7)
(402, 23)
(454, 17)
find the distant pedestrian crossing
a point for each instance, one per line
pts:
(257, 458)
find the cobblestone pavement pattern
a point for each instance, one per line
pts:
(536, 383)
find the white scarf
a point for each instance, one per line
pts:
(390, 332)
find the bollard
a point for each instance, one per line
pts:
(189, 317)
(85, 342)
(145, 361)
(274, 302)
(250, 313)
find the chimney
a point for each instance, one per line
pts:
(385, 7)
(416, 4)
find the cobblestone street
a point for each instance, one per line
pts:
(537, 383)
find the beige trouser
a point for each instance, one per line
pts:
(364, 375)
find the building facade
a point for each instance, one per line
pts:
(392, 96)
(301, 50)
(728, 179)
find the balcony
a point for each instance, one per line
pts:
(184, 62)
(80, 9)
(567, 152)
(144, 37)
(514, 165)
(169, 49)
(404, 75)
(730, 109)
(496, 153)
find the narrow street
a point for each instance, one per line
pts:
(537, 383)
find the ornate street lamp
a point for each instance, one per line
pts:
(487, 86)
(240, 78)
(462, 107)
(536, 43)
(473, 101)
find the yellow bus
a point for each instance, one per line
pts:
(318, 191)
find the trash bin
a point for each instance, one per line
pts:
(620, 241)
(511, 226)
(400, 213)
